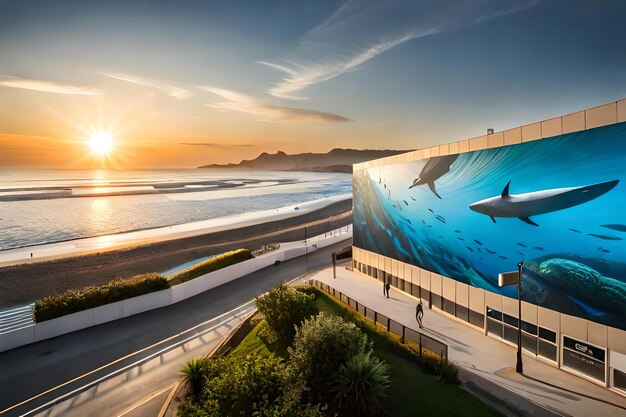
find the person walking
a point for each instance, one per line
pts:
(387, 286)
(419, 313)
(384, 287)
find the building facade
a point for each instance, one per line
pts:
(441, 223)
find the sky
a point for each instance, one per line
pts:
(182, 84)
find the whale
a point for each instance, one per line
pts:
(434, 169)
(523, 206)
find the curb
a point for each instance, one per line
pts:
(168, 409)
(503, 399)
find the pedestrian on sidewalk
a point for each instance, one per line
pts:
(419, 313)
(384, 287)
(387, 286)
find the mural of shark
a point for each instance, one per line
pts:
(434, 169)
(534, 203)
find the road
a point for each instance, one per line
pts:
(34, 369)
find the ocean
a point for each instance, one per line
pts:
(45, 206)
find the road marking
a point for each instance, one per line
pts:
(133, 354)
(142, 402)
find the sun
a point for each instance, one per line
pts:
(100, 143)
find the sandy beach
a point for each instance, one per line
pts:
(27, 282)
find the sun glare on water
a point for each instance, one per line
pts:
(100, 143)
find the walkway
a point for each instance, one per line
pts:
(542, 384)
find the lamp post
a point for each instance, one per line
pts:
(515, 278)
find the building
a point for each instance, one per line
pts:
(441, 223)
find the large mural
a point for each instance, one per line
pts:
(557, 204)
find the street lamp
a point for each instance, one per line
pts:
(515, 278)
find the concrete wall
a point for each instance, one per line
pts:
(158, 299)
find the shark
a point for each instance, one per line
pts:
(535, 203)
(434, 169)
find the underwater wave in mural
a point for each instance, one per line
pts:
(557, 204)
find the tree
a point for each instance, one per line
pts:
(285, 308)
(321, 346)
(361, 385)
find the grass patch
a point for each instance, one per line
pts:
(413, 392)
(255, 343)
(213, 264)
(119, 289)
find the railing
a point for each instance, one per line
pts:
(425, 342)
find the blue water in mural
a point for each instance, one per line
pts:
(569, 196)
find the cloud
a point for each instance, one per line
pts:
(269, 113)
(217, 145)
(169, 89)
(48, 87)
(363, 29)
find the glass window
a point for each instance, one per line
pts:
(509, 320)
(494, 314)
(448, 306)
(529, 328)
(547, 350)
(494, 327)
(529, 343)
(547, 334)
(462, 313)
(583, 364)
(510, 334)
(619, 379)
(476, 319)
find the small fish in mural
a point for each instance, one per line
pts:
(409, 221)
(605, 250)
(428, 225)
(478, 249)
(521, 253)
(575, 230)
(503, 257)
(521, 244)
(460, 238)
(405, 202)
(469, 249)
(457, 231)
(605, 237)
(413, 198)
(440, 218)
(431, 210)
(493, 252)
(478, 241)
(618, 227)
(423, 222)
(538, 248)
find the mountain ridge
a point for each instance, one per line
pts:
(336, 160)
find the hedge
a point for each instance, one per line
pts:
(213, 264)
(71, 301)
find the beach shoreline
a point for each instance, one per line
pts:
(27, 281)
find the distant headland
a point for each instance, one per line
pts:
(337, 160)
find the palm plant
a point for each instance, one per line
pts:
(194, 374)
(361, 384)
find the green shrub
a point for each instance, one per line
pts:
(361, 385)
(72, 301)
(193, 374)
(236, 386)
(448, 371)
(321, 345)
(285, 308)
(213, 264)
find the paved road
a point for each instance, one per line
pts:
(33, 369)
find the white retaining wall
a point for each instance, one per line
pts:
(146, 302)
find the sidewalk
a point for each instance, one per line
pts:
(542, 384)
